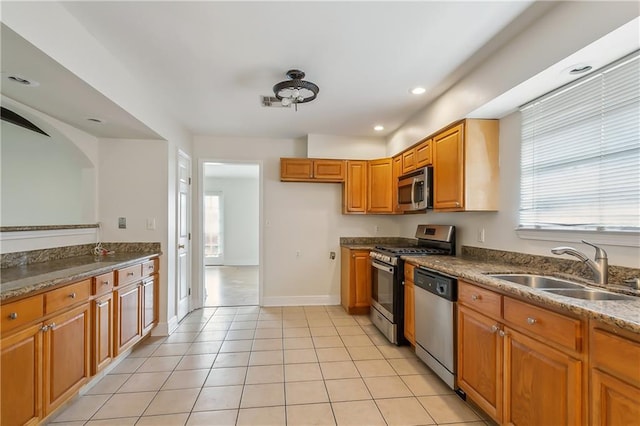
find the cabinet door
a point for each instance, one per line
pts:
(408, 161)
(361, 279)
(409, 311)
(67, 349)
(423, 154)
(355, 190)
(328, 170)
(543, 386)
(21, 376)
(397, 172)
(128, 327)
(296, 169)
(102, 332)
(480, 360)
(613, 402)
(149, 304)
(448, 170)
(380, 194)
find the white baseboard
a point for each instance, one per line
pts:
(165, 328)
(300, 300)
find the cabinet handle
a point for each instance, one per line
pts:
(102, 304)
(150, 267)
(13, 315)
(105, 282)
(51, 326)
(457, 204)
(72, 295)
(44, 328)
(502, 333)
(494, 328)
(130, 274)
(475, 297)
(531, 321)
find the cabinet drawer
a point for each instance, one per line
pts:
(22, 312)
(128, 275)
(549, 325)
(408, 271)
(67, 296)
(616, 354)
(103, 283)
(484, 301)
(149, 267)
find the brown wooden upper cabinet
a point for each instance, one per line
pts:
(311, 170)
(380, 186)
(465, 167)
(417, 157)
(369, 187)
(397, 172)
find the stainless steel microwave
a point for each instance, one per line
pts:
(415, 190)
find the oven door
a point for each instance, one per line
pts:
(382, 283)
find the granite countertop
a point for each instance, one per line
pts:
(22, 280)
(622, 313)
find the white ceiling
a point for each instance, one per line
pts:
(209, 62)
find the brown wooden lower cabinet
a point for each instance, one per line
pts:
(53, 342)
(102, 332)
(355, 282)
(128, 329)
(66, 355)
(542, 386)
(21, 377)
(522, 364)
(615, 376)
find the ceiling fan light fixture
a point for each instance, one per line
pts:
(295, 90)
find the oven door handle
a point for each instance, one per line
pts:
(382, 267)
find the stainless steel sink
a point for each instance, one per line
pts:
(590, 294)
(537, 281)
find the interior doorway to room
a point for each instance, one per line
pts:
(231, 228)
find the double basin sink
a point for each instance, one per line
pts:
(561, 287)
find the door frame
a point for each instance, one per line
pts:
(198, 241)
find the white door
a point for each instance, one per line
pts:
(184, 235)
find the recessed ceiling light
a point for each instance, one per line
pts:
(418, 90)
(378, 128)
(96, 120)
(580, 69)
(22, 80)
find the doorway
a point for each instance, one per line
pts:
(231, 233)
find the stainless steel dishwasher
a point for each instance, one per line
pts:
(435, 297)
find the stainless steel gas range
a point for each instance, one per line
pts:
(387, 276)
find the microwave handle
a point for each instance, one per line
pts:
(413, 192)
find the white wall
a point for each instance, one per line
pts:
(565, 29)
(241, 218)
(345, 147)
(296, 217)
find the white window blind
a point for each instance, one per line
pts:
(580, 161)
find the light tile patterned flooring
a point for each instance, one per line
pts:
(270, 366)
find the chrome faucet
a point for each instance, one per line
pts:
(599, 266)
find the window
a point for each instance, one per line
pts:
(580, 161)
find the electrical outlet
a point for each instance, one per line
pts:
(151, 223)
(297, 253)
(376, 229)
(480, 235)
(122, 222)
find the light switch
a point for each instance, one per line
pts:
(151, 223)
